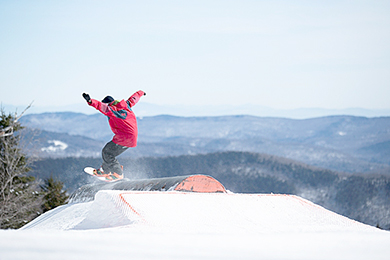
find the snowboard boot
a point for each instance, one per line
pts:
(100, 173)
(114, 176)
(110, 176)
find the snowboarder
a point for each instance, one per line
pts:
(123, 124)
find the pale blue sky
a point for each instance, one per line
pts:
(279, 54)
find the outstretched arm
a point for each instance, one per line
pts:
(136, 97)
(102, 107)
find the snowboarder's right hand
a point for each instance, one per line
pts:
(87, 97)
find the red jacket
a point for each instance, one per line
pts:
(121, 118)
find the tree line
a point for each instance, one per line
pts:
(22, 196)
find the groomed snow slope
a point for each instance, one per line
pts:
(214, 212)
(178, 225)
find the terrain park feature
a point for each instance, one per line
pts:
(191, 183)
(192, 217)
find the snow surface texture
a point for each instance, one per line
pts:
(177, 225)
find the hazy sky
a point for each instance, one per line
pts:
(279, 54)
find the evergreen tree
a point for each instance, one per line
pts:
(54, 194)
(19, 197)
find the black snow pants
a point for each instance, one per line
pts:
(109, 153)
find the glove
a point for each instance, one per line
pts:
(87, 97)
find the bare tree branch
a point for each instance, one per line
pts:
(10, 129)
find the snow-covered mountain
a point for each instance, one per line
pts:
(41, 143)
(342, 143)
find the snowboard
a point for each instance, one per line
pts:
(105, 177)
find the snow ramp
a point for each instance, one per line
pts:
(191, 183)
(195, 212)
(174, 223)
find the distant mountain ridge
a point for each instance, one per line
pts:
(342, 143)
(147, 109)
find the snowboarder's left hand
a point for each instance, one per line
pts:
(87, 97)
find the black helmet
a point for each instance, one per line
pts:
(108, 99)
